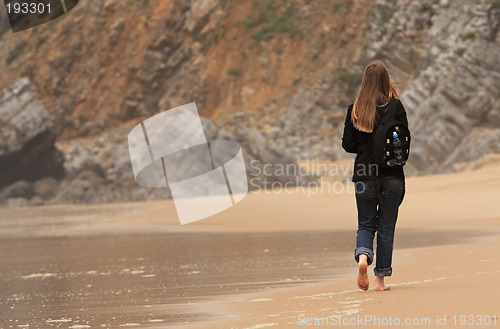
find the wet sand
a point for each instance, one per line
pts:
(152, 279)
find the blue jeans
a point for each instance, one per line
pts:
(372, 217)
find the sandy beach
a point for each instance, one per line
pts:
(445, 268)
(433, 287)
(122, 120)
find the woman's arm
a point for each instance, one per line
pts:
(349, 138)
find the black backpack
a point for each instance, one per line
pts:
(391, 141)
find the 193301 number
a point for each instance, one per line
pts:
(28, 8)
(474, 320)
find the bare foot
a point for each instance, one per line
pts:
(363, 282)
(379, 284)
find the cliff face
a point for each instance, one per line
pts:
(456, 90)
(453, 83)
(108, 62)
(275, 75)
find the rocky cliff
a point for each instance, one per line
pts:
(274, 75)
(447, 51)
(27, 150)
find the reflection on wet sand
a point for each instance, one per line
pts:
(155, 279)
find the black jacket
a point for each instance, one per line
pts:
(360, 143)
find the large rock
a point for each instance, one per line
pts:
(269, 163)
(27, 150)
(20, 189)
(308, 126)
(87, 187)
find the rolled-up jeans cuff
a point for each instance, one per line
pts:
(363, 251)
(382, 271)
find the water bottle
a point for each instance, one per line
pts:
(396, 140)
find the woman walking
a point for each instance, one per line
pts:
(379, 191)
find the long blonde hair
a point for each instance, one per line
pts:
(377, 88)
